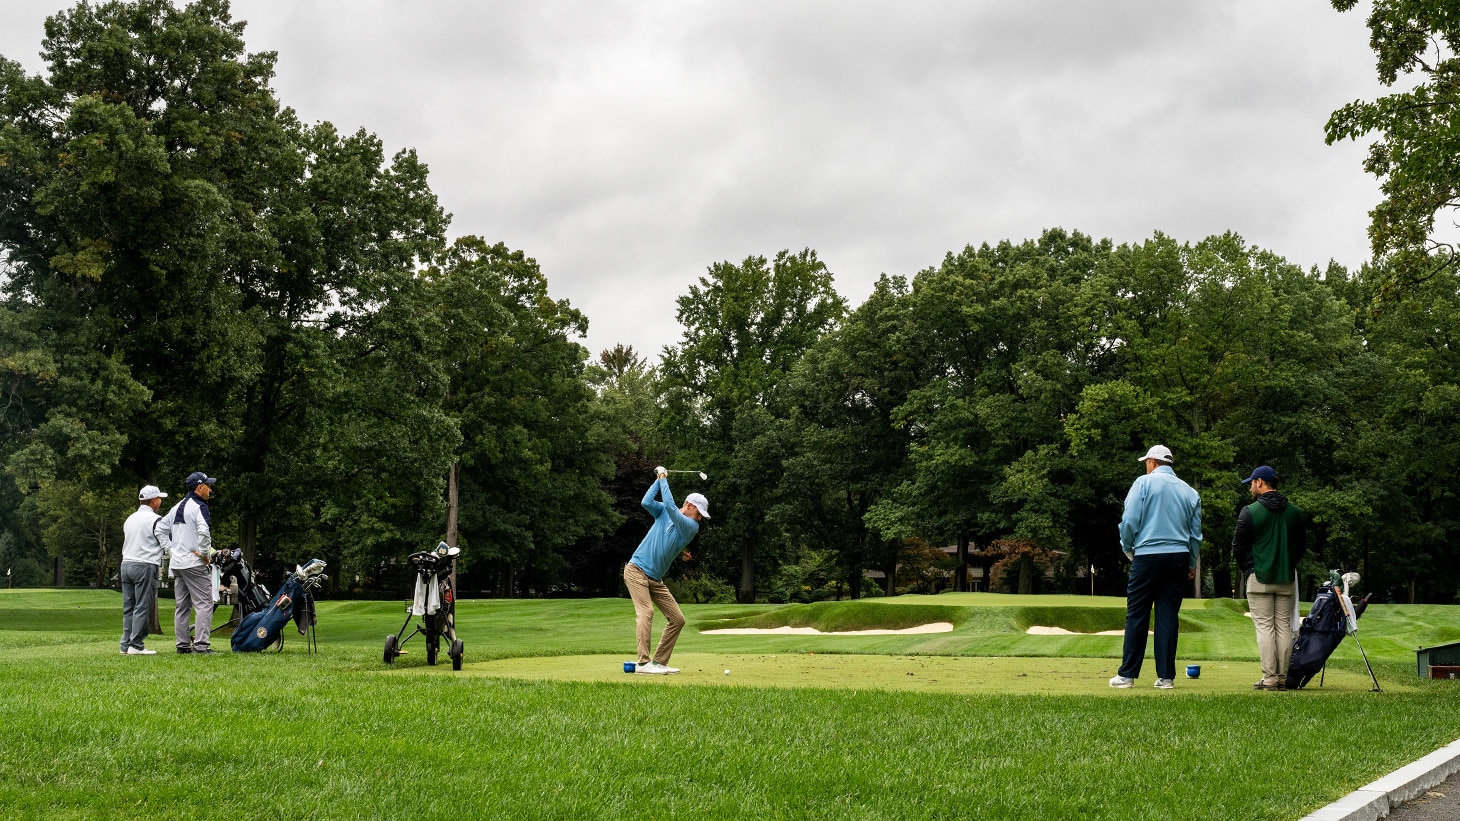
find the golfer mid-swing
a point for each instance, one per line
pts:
(644, 574)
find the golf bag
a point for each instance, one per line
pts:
(295, 600)
(1322, 630)
(435, 603)
(252, 596)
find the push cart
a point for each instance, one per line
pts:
(435, 603)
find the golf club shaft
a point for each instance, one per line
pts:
(1365, 656)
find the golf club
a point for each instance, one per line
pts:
(703, 477)
(1353, 625)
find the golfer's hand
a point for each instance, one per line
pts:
(1191, 574)
(661, 472)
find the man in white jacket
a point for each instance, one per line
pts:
(146, 539)
(192, 547)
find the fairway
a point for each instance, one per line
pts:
(984, 721)
(947, 675)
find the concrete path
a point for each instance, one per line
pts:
(1439, 803)
(1401, 791)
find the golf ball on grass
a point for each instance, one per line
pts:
(727, 672)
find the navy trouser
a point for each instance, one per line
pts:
(1159, 579)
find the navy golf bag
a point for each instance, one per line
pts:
(294, 600)
(1319, 635)
(261, 629)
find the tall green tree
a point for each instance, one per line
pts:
(1415, 45)
(533, 454)
(745, 327)
(846, 451)
(1012, 335)
(196, 280)
(627, 400)
(1391, 511)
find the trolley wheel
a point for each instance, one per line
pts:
(391, 648)
(456, 653)
(433, 646)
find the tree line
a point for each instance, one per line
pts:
(194, 279)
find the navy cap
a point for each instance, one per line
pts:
(198, 478)
(1264, 473)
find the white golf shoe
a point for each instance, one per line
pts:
(1122, 682)
(133, 651)
(652, 669)
(1165, 684)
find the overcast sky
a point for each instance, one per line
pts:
(629, 145)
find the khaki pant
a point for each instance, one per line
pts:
(1272, 614)
(647, 594)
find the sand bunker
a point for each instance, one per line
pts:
(1060, 631)
(935, 627)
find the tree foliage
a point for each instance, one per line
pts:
(194, 279)
(191, 278)
(531, 441)
(745, 327)
(1416, 43)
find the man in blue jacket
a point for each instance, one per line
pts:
(1160, 533)
(644, 574)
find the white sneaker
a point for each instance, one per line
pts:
(652, 669)
(1165, 684)
(1122, 682)
(132, 651)
(666, 668)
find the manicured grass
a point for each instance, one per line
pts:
(542, 723)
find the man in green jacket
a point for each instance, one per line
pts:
(1269, 541)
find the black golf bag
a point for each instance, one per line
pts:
(1319, 635)
(295, 600)
(232, 569)
(435, 603)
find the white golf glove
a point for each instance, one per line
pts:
(661, 472)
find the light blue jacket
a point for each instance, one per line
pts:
(1162, 515)
(672, 530)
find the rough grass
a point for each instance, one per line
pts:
(805, 727)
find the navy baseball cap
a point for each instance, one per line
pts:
(198, 478)
(1264, 473)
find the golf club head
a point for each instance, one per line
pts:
(313, 567)
(703, 477)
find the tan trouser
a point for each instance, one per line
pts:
(646, 594)
(1272, 609)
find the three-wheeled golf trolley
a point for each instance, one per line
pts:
(435, 603)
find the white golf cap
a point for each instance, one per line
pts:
(700, 502)
(1160, 453)
(150, 492)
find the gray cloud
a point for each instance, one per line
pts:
(629, 145)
